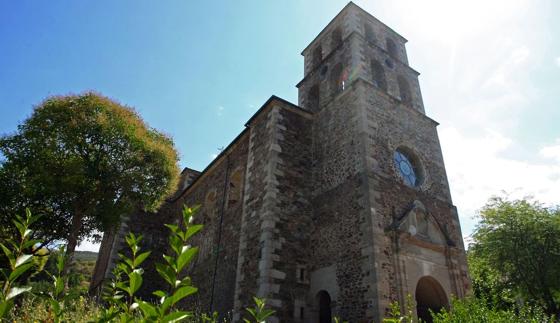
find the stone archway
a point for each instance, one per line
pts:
(324, 302)
(429, 296)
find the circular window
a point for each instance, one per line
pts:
(408, 168)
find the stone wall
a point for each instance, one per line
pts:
(221, 217)
(276, 212)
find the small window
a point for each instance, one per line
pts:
(369, 34)
(392, 48)
(313, 98)
(301, 274)
(378, 73)
(336, 38)
(404, 90)
(317, 56)
(338, 82)
(234, 190)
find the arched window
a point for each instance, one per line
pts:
(369, 34)
(336, 38)
(392, 48)
(234, 189)
(324, 302)
(337, 79)
(313, 98)
(317, 56)
(378, 74)
(404, 90)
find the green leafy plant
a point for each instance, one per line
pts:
(397, 316)
(57, 295)
(19, 262)
(120, 295)
(258, 313)
(180, 286)
(477, 310)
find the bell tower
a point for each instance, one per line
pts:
(384, 224)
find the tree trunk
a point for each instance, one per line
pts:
(552, 308)
(73, 239)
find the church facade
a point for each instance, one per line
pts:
(336, 206)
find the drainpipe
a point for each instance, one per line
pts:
(224, 193)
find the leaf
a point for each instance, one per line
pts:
(21, 228)
(170, 261)
(19, 271)
(176, 316)
(22, 259)
(192, 230)
(166, 304)
(55, 305)
(166, 273)
(185, 257)
(135, 282)
(60, 259)
(126, 261)
(183, 292)
(5, 307)
(160, 293)
(15, 291)
(176, 244)
(31, 218)
(140, 258)
(58, 285)
(8, 254)
(174, 228)
(148, 309)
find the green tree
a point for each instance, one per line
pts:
(82, 161)
(516, 253)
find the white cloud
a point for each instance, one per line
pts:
(477, 170)
(213, 156)
(552, 151)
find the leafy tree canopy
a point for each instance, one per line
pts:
(516, 253)
(82, 161)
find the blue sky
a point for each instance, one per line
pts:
(198, 70)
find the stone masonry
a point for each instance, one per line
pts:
(336, 206)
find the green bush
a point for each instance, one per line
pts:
(477, 310)
(57, 297)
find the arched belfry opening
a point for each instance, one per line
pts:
(324, 302)
(429, 296)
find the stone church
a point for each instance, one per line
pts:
(336, 206)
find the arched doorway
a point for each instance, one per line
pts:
(429, 296)
(324, 300)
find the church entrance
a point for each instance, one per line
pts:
(324, 300)
(429, 296)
